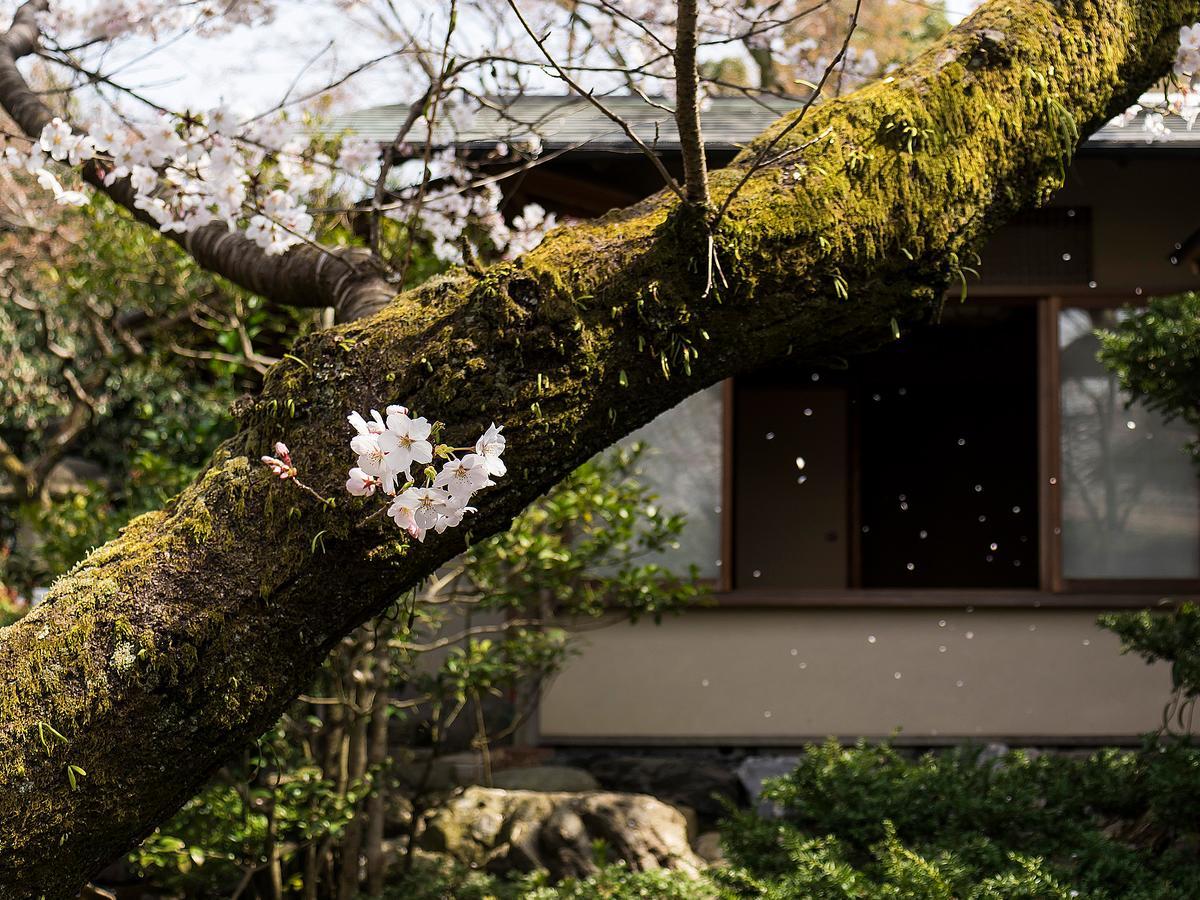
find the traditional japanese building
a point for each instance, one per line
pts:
(918, 539)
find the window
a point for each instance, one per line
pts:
(949, 458)
(1130, 503)
(913, 467)
(989, 453)
(683, 465)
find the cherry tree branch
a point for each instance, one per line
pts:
(687, 106)
(762, 155)
(347, 279)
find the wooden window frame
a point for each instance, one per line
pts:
(1053, 591)
(1147, 586)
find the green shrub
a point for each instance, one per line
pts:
(1170, 637)
(309, 787)
(1155, 353)
(866, 822)
(439, 880)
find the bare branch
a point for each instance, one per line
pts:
(687, 106)
(590, 96)
(764, 154)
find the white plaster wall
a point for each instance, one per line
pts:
(784, 676)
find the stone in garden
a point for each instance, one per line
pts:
(708, 848)
(503, 831)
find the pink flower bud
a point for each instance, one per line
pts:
(284, 470)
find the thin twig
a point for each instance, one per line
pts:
(590, 96)
(765, 152)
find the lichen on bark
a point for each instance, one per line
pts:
(160, 654)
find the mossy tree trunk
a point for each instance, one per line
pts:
(164, 651)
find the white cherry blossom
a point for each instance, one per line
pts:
(408, 440)
(64, 197)
(358, 155)
(360, 484)
(452, 516)
(1189, 37)
(82, 150)
(490, 445)
(432, 503)
(403, 517)
(223, 119)
(362, 426)
(1155, 127)
(375, 460)
(463, 477)
(1187, 56)
(144, 179)
(1129, 116)
(57, 139)
(424, 504)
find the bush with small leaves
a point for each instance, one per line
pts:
(869, 822)
(1155, 354)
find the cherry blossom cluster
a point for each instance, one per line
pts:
(389, 445)
(187, 172)
(108, 19)
(1184, 102)
(259, 174)
(451, 199)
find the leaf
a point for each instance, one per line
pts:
(74, 773)
(43, 727)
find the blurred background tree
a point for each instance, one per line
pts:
(1155, 353)
(110, 405)
(790, 59)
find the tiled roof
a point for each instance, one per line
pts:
(729, 122)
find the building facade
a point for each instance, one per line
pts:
(915, 542)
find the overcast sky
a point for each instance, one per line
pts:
(959, 8)
(254, 68)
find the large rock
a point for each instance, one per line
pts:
(754, 773)
(708, 848)
(502, 831)
(679, 780)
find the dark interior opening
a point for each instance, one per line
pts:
(915, 467)
(948, 449)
